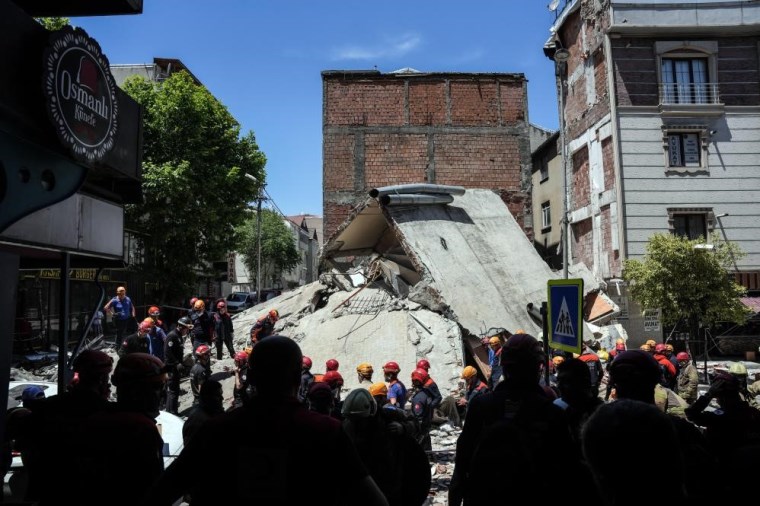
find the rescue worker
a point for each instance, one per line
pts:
(123, 312)
(364, 372)
(202, 332)
(619, 348)
(688, 378)
(423, 364)
(494, 361)
(335, 381)
(264, 326)
(157, 340)
(670, 353)
(454, 407)
(307, 378)
(175, 355)
(223, 330)
(331, 365)
(739, 371)
(396, 389)
(432, 387)
(138, 342)
(422, 407)
(241, 392)
(153, 313)
(666, 367)
(200, 371)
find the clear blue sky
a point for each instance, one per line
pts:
(263, 58)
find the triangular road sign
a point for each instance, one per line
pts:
(564, 325)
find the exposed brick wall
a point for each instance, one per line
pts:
(364, 103)
(581, 190)
(474, 103)
(739, 71)
(478, 161)
(583, 243)
(518, 203)
(339, 149)
(608, 163)
(335, 214)
(427, 103)
(454, 129)
(391, 159)
(635, 70)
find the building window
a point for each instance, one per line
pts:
(691, 223)
(546, 216)
(684, 149)
(544, 170)
(685, 81)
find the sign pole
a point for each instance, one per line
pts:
(545, 339)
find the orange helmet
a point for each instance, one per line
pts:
(146, 325)
(199, 305)
(154, 311)
(558, 360)
(273, 314)
(379, 388)
(365, 369)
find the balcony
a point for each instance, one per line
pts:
(691, 99)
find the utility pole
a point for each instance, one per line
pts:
(258, 250)
(560, 58)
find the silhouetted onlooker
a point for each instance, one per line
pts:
(277, 461)
(210, 404)
(618, 438)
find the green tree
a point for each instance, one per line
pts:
(53, 24)
(687, 282)
(195, 192)
(278, 249)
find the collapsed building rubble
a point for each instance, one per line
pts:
(422, 271)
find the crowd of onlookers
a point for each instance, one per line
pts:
(588, 426)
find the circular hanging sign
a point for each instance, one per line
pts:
(80, 94)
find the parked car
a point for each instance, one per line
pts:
(240, 301)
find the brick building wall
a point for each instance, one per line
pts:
(583, 242)
(443, 128)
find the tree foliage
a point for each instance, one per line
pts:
(195, 192)
(278, 249)
(687, 282)
(53, 24)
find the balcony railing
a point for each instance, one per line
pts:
(689, 93)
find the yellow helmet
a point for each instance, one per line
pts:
(494, 340)
(469, 372)
(645, 347)
(651, 343)
(603, 355)
(365, 369)
(199, 305)
(558, 360)
(669, 347)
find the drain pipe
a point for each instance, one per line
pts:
(403, 189)
(400, 200)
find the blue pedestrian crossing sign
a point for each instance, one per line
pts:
(565, 313)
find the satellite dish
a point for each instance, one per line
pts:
(553, 5)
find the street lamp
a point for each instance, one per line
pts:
(258, 239)
(560, 58)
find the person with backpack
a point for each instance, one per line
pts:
(510, 433)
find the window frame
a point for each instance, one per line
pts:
(546, 216)
(690, 50)
(701, 146)
(706, 212)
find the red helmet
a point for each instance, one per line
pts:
(202, 350)
(682, 355)
(333, 378)
(306, 362)
(241, 357)
(193, 301)
(274, 314)
(391, 367)
(423, 364)
(660, 348)
(221, 304)
(154, 311)
(420, 376)
(331, 365)
(146, 326)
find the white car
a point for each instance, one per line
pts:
(170, 426)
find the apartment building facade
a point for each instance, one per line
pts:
(661, 115)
